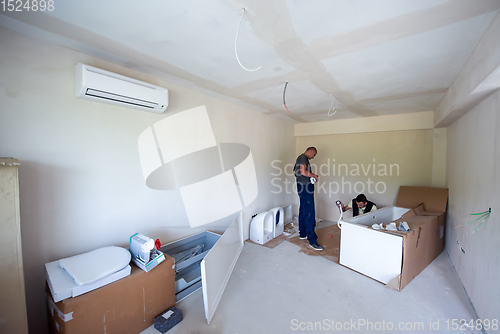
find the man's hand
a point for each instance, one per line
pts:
(303, 171)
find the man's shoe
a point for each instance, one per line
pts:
(302, 238)
(316, 247)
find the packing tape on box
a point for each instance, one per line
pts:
(214, 180)
(52, 306)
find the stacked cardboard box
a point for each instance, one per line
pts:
(128, 305)
(425, 241)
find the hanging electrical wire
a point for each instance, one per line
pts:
(236, 46)
(431, 139)
(284, 102)
(332, 107)
(484, 215)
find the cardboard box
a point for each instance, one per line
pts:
(427, 201)
(394, 257)
(128, 305)
(420, 247)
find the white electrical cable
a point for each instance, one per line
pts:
(341, 214)
(236, 43)
(431, 138)
(332, 105)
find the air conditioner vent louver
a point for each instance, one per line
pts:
(120, 98)
(99, 85)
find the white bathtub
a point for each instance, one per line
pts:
(374, 253)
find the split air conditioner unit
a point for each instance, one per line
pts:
(99, 85)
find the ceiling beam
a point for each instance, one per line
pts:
(378, 33)
(271, 22)
(401, 26)
(113, 50)
(478, 79)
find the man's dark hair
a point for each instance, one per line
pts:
(312, 148)
(361, 198)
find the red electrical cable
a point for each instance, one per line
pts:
(284, 103)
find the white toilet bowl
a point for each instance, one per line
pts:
(279, 220)
(288, 214)
(262, 228)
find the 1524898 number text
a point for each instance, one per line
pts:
(27, 5)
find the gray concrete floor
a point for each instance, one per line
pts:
(283, 291)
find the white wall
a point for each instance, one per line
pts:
(473, 178)
(439, 158)
(470, 109)
(81, 181)
(378, 163)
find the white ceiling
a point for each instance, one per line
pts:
(375, 57)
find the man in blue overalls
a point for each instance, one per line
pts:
(305, 189)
